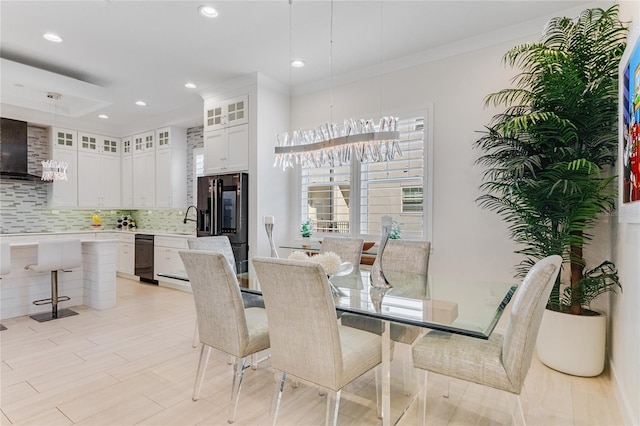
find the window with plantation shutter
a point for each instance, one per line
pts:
(352, 199)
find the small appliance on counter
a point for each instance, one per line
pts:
(223, 209)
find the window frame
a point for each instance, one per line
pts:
(355, 207)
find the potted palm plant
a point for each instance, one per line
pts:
(548, 160)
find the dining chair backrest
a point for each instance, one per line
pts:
(303, 327)
(406, 256)
(349, 249)
(526, 314)
(220, 244)
(219, 307)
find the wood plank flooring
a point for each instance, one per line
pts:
(134, 365)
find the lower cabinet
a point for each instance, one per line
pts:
(126, 254)
(167, 259)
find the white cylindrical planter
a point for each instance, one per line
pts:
(573, 344)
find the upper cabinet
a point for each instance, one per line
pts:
(226, 135)
(64, 147)
(227, 113)
(98, 171)
(171, 167)
(144, 170)
(226, 150)
(144, 142)
(126, 166)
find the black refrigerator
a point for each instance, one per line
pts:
(223, 209)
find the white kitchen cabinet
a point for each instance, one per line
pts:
(171, 167)
(226, 113)
(166, 258)
(125, 261)
(226, 150)
(64, 147)
(98, 171)
(144, 176)
(143, 142)
(126, 173)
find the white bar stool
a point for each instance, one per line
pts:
(55, 255)
(5, 264)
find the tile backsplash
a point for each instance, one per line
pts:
(23, 204)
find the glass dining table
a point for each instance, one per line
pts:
(458, 305)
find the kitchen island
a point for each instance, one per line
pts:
(105, 253)
(93, 284)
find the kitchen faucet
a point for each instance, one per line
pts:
(187, 213)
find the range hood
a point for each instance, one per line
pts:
(13, 151)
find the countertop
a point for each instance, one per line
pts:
(104, 231)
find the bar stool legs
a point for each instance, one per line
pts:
(53, 256)
(55, 313)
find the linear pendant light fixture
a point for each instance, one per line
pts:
(332, 144)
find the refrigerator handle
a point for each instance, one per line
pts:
(214, 209)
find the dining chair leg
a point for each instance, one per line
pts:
(205, 352)
(277, 395)
(446, 390)
(520, 411)
(423, 400)
(196, 339)
(333, 405)
(376, 372)
(254, 361)
(238, 373)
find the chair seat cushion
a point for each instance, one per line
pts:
(361, 351)
(258, 328)
(467, 358)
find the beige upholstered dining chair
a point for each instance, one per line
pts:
(502, 362)
(349, 249)
(307, 342)
(223, 321)
(221, 244)
(403, 256)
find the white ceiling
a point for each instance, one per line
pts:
(117, 52)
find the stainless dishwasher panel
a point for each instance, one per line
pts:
(144, 258)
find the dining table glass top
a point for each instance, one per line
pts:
(454, 304)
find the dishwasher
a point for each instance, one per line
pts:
(144, 258)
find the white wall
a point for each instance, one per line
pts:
(467, 239)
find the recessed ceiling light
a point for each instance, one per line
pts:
(141, 103)
(190, 85)
(297, 63)
(103, 116)
(53, 37)
(208, 11)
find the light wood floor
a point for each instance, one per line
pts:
(134, 364)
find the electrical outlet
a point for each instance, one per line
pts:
(55, 211)
(148, 212)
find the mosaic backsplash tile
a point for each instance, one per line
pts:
(23, 204)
